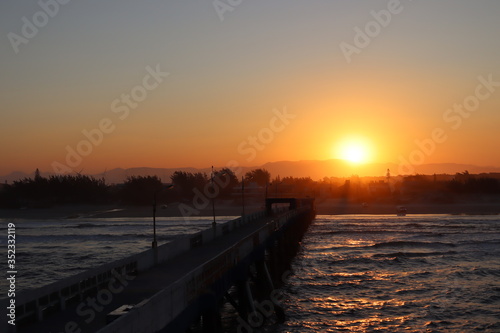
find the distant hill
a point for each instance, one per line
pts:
(314, 169)
(16, 175)
(339, 168)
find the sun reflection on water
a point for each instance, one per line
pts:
(374, 275)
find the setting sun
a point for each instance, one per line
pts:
(353, 150)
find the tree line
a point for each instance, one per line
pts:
(143, 190)
(39, 192)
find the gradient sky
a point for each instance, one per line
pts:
(226, 78)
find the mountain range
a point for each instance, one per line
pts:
(312, 168)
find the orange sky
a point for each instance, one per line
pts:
(171, 85)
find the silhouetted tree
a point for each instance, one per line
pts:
(466, 183)
(301, 186)
(185, 182)
(227, 181)
(40, 191)
(37, 174)
(139, 190)
(260, 176)
(77, 189)
(7, 197)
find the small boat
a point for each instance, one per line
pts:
(401, 211)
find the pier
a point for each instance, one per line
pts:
(181, 283)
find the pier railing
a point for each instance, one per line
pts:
(36, 304)
(155, 313)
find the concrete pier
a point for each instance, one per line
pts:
(169, 288)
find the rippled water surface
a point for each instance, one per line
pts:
(49, 250)
(396, 274)
(427, 273)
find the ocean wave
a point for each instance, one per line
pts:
(414, 225)
(108, 225)
(485, 271)
(366, 231)
(86, 225)
(482, 242)
(343, 261)
(365, 262)
(412, 254)
(85, 256)
(159, 225)
(413, 244)
(43, 239)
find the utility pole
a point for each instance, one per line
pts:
(242, 196)
(213, 199)
(155, 244)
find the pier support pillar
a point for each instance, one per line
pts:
(211, 317)
(268, 292)
(245, 299)
(249, 296)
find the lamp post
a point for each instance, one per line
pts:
(155, 243)
(242, 197)
(249, 179)
(276, 183)
(213, 197)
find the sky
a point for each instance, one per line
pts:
(94, 85)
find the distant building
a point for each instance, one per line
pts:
(252, 189)
(379, 188)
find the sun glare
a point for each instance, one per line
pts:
(353, 150)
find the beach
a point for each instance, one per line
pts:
(120, 211)
(229, 208)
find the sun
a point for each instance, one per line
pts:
(354, 150)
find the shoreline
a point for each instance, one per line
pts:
(429, 209)
(328, 207)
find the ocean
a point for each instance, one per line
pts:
(49, 250)
(353, 273)
(423, 273)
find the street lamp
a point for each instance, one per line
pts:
(242, 196)
(276, 183)
(249, 179)
(155, 243)
(222, 173)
